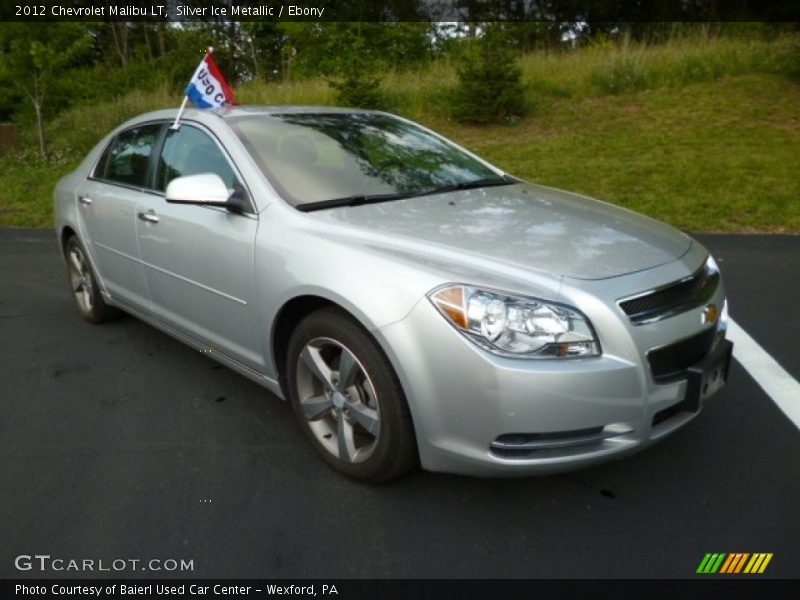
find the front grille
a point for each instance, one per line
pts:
(673, 298)
(670, 362)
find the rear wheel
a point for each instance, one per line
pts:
(83, 284)
(347, 398)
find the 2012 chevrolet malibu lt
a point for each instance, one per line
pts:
(414, 304)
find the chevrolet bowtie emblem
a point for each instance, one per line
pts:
(710, 314)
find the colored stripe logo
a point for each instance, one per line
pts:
(734, 563)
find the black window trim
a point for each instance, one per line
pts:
(147, 177)
(155, 152)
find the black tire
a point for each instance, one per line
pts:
(393, 451)
(83, 285)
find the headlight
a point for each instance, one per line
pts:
(713, 268)
(516, 325)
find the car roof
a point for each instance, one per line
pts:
(246, 110)
(237, 111)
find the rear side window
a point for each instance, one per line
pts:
(127, 158)
(189, 151)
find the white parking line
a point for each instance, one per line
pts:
(773, 378)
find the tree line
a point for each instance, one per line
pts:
(46, 68)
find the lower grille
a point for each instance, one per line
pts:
(684, 406)
(525, 445)
(670, 362)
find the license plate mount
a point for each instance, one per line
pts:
(708, 376)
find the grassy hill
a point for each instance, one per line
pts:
(703, 133)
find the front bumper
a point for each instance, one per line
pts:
(476, 413)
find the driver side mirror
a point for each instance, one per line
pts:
(203, 189)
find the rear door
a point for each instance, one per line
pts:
(198, 260)
(107, 203)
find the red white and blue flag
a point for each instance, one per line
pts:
(208, 88)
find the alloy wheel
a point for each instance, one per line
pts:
(338, 400)
(80, 278)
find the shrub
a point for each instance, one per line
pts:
(357, 85)
(489, 86)
(358, 90)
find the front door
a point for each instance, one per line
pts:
(198, 260)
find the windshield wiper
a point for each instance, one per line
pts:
(470, 185)
(355, 200)
(360, 199)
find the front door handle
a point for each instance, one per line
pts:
(149, 216)
(84, 200)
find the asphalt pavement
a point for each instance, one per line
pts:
(118, 441)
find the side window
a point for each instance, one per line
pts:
(189, 151)
(127, 157)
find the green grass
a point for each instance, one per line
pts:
(613, 69)
(714, 156)
(701, 132)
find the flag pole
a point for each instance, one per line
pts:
(176, 124)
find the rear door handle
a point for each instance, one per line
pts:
(149, 216)
(84, 200)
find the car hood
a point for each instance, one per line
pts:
(526, 225)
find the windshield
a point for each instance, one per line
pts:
(318, 158)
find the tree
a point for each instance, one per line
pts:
(490, 81)
(322, 48)
(266, 42)
(357, 85)
(33, 57)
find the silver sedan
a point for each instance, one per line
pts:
(413, 303)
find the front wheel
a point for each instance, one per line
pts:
(347, 398)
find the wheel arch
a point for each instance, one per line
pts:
(63, 237)
(294, 310)
(286, 320)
